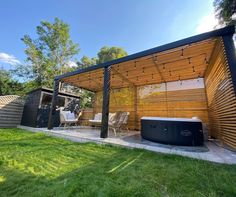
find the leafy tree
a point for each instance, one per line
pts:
(225, 9)
(110, 53)
(49, 53)
(86, 61)
(8, 86)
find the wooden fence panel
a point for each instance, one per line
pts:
(221, 98)
(11, 108)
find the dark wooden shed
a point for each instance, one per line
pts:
(37, 106)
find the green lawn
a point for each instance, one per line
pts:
(39, 165)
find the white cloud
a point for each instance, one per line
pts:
(207, 23)
(71, 64)
(9, 59)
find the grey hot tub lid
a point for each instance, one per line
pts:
(171, 119)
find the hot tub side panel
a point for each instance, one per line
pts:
(173, 132)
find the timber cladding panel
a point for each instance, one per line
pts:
(221, 97)
(11, 108)
(87, 114)
(120, 100)
(154, 102)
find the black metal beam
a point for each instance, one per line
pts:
(229, 30)
(53, 104)
(105, 104)
(231, 57)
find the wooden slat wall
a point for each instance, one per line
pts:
(221, 97)
(11, 108)
(180, 103)
(120, 100)
(86, 116)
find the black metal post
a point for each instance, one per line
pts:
(231, 57)
(105, 105)
(53, 104)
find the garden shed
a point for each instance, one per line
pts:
(192, 77)
(37, 107)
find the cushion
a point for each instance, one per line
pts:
(98, 116)
(70, 116)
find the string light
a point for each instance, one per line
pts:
(198, 77)
(182, 52)
(189, 60)
(180, 80)
(155, 59)
(193, 69)
(206, 62)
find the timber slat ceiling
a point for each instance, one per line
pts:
(186, 62)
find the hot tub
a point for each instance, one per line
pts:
(176, 131)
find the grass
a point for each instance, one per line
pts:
(38, 165)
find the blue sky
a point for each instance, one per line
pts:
(135, 25)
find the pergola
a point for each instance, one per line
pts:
(191, 58)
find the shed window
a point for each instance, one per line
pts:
(47, 99)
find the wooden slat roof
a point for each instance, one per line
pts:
(184, 59)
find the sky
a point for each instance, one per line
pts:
(135, 25)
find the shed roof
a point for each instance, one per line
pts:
(48, 90)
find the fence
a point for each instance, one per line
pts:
(11, 108)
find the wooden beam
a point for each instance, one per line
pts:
(158, 70)
(53, 104)
(123, 77)
(105, 104)
(135, 108)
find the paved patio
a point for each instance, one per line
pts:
(211, 151)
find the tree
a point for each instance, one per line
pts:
(8, 86)
(225, 9)
(49, 53)
(86, 61)
(110, 53)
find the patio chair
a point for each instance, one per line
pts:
(119, 122)
(97, 121)
(67, 118)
